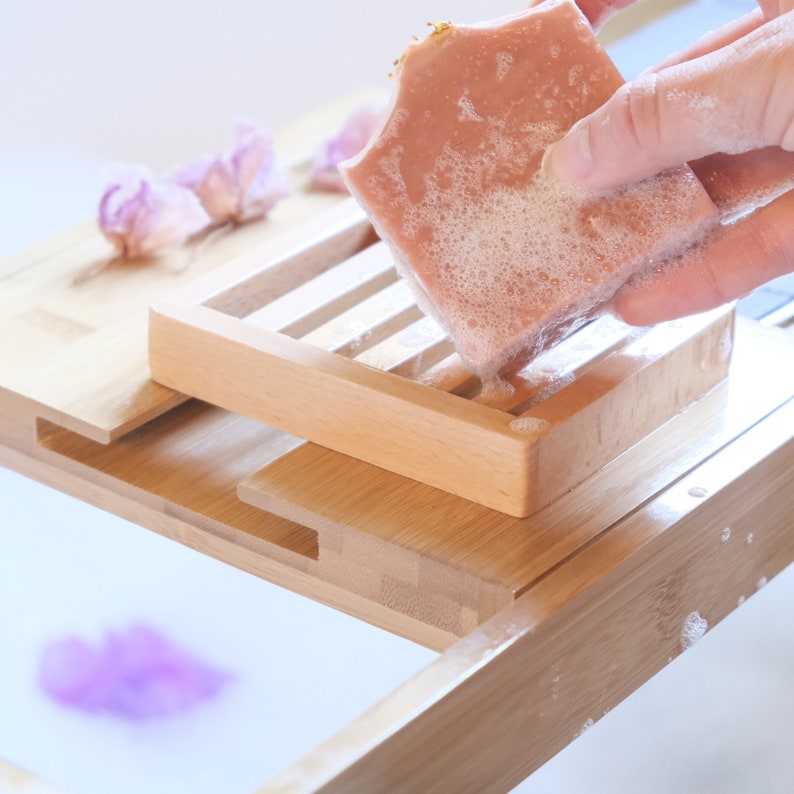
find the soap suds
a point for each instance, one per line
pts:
(467, 111)
(588, 723)
(714, 124)
(508, 258)
(693, 629)
(504, 60)
(530, 424)
(539, 241)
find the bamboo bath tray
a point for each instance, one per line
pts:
(316, 335)
(545, 621)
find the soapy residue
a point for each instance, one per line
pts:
(531, 425)
(693, 629)
(518, 252)
(508, 258)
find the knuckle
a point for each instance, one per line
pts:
(643, 114)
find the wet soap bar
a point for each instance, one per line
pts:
(505, 257)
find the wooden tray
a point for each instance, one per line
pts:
(315, 334)
(564, 613)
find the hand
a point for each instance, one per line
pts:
(731, 92)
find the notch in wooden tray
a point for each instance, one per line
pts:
(316, 335)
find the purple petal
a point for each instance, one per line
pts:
(74, 674)
(190, 175)
(140, 215)
(136, 675)
(241, 185)
(356, 132)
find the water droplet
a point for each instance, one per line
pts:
(750, 538)
(762, 582)
(726, 535)
(698, 492)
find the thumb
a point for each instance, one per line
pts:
(732, 100)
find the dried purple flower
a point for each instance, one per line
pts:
(241, 185)
(136, 675)
(141, 215)
(354, 135)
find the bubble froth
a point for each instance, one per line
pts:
(693, 629)
(505, 251)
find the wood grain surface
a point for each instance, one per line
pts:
(547, 620)
(315, 334)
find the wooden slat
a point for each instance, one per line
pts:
(320, 299)
(467, 449)
(375, 516)
(373, 319)
(13, 780)
(413, 349)
(505, 699)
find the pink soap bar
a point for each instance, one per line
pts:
(504, 256)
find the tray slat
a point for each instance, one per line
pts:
(463, 439)
(400, 529)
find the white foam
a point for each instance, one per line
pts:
(693, 629)
(514, 251)
(588, 723)
(520, 261)
(504, 61)
(531, 425)
(467, 111)
(722, 132)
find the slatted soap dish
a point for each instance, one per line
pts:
(314, 333)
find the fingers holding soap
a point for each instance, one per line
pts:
(726, 266)
(687, 111)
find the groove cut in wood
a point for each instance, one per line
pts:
(322, 340)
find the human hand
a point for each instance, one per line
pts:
(689, 107)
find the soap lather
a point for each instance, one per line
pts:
(504, 256)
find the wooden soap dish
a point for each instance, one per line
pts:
(315, 334)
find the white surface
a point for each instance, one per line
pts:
(301, 670)
(87, 82)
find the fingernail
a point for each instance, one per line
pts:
(571, 157)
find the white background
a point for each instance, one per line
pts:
(87, 82)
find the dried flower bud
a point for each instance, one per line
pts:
(354, 135)
(238, 186)
(141, 215)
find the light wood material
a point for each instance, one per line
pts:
(425, 563)
(73, 334)
(356, 372)
(502, 701)
(13, 779)
(547, 620)
(441, 558)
